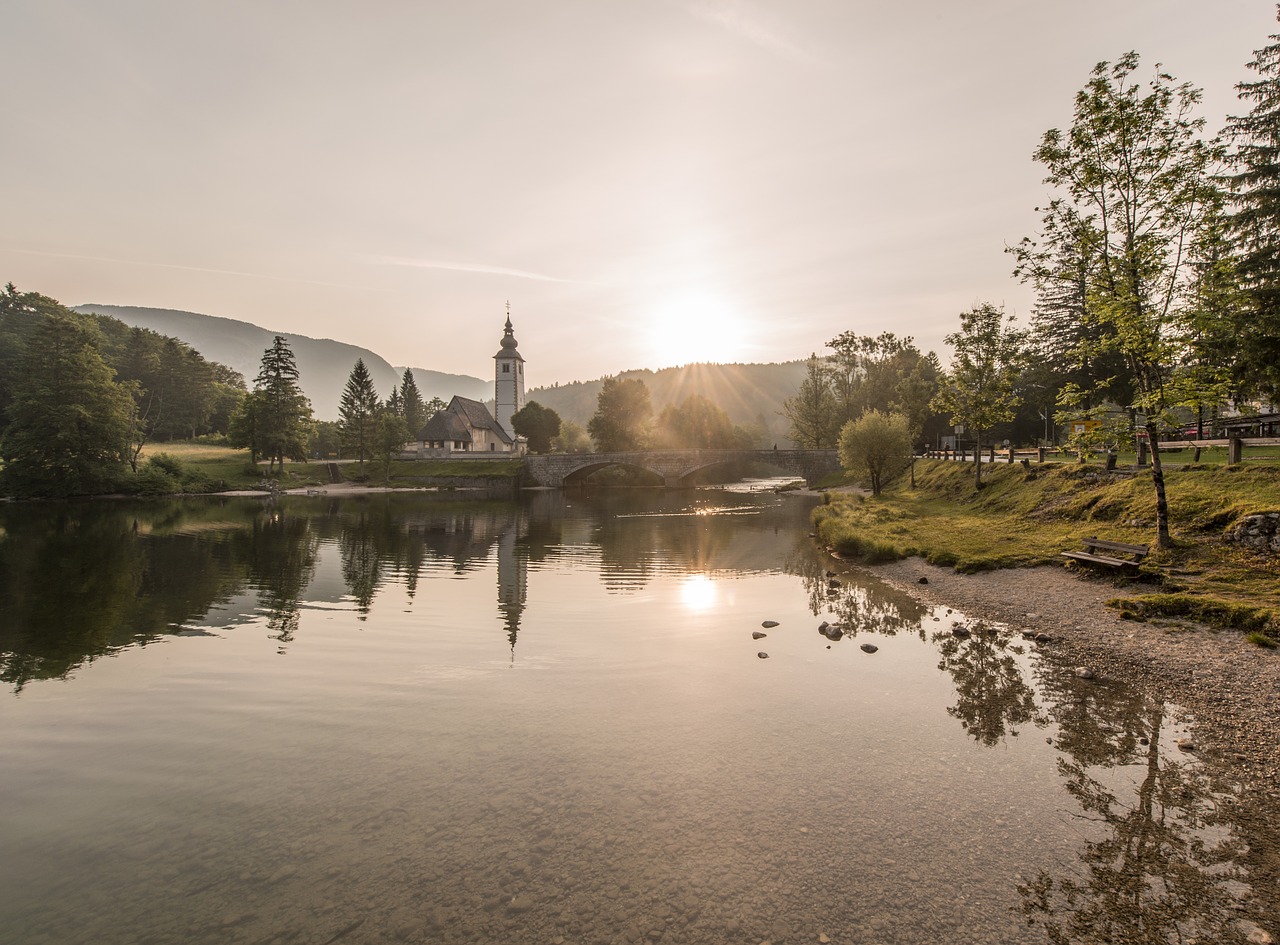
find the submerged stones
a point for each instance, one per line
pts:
(830, 631)
(868, 647)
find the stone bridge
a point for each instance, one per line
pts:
(676, 466)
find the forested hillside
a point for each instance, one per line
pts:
(323, 364)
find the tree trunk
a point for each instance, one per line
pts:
(977, 460)
(1163, 539)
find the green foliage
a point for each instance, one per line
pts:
(357, 412)
(623, 415)
(538, 424)
(275, 420)
(70, 421)
(412, 408)
(814, 410)
(573, 438)
(980, 390)
(1262, 640)
(876, 447)
(1139, 213)
(390, 434)
(1209, 610)
(697, 423)
(1255, 225)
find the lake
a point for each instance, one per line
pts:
(426, 718)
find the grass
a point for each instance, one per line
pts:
(1028, 516)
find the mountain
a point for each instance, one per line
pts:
(323, 365)
(751, 394)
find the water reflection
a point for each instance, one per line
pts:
(554, 716)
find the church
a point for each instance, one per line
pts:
(465, 427)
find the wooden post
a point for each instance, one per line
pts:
(991, 456)
(1196, 457)
(1235, 450)
(1142, 450)
(1111, 460)
(1010, 459)
(1041, 453)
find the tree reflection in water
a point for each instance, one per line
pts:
(864, 605)
(1161, 862)
(992, 695)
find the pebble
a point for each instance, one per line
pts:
(769, 624)
(868, 648)
(1083, 672)
(757, 635)
(923, 580)
(822, 938)
(763, 655)
(1185, 744)
(520, 903)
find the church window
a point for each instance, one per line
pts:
(506, 369)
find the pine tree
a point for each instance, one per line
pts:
(357, 412)
(412, 407)
(278, 415)
(1255, 194)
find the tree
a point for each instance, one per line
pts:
(1137, 183)
(412, 407)
(70, 420)
(877, 445)
(357, 411)
(980, 389)
(813, 411)
(573, 438)
(275, 420)
(1255, 224)
(390, 434)
(538, 424)
(913, 399)
(623, 413)
(697, 423)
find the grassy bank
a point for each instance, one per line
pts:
(1026, 517)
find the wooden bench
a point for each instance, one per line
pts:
(1094, 545)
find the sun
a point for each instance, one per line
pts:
(692, 327)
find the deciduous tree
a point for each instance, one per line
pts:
(538, 424)
(70, 420)
(622, 417)
(979, 391)
(1138, 183)
(814, 410)
(876, 446)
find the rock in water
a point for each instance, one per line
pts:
(868, 648)
(757, 635)
(763, 655)
(769, 624)
(1084, 672)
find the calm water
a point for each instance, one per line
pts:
(420, 719)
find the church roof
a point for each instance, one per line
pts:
(457, 420)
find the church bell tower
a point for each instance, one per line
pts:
(508, 379)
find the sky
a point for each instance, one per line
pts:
(645, 182)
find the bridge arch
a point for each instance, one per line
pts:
(581, 472)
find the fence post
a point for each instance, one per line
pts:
(1010, 460)
(991, 456)
(1235, 450)
(1111, 459)
(1142, 451)
(1041, 453)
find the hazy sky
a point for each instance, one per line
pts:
(647, 182)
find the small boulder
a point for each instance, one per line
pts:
(961, 631)
(1084, 672)
(923, 580)
(868, 648)
(763, 655)
(769, 624)
(757, 635)
(1185, 744)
